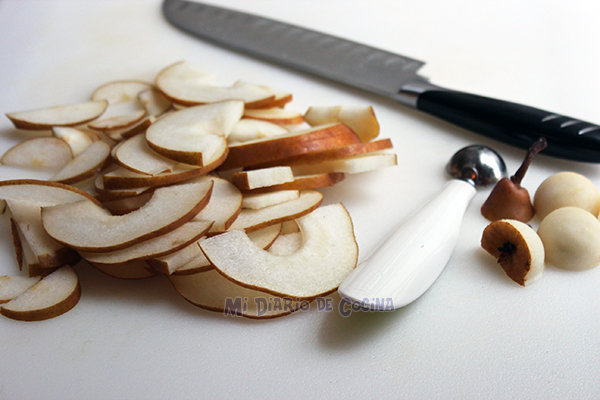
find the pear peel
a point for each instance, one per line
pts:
(518, 248)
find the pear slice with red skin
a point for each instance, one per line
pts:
(262, 151)
(52, 296)
(328, 254)
(12, 286)
(38, 152)
(85, 226)
(65, 115)
(352, 150)
(361, 119)
(196, 135)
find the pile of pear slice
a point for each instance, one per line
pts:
(214, 187)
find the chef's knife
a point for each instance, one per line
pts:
(387, 74)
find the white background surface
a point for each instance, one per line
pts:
(474, 335)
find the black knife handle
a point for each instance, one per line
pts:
(515, 124)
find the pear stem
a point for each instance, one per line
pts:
(535, 148)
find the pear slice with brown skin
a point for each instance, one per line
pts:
(518, 248)
(12, 286)
(508, 199)
(52, 296)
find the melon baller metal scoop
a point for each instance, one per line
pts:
(411, 258)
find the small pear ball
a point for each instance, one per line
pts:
(571, 238)
(566, 189)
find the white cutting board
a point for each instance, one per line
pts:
(474, 335)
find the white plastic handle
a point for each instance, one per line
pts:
(408, 261)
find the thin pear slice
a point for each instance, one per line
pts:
(120, 91)
(48, 252)
(122, 178)
(265, 237)
(169, 263)
(328, 254)
(85, 226)
(170, 242)
(52, 296)
(17, 244)
(302, 183)
(118, 135)
(42, 193)
(353, 165)
(251, 129)
(87, 164)
(38, 152)
(196, 135)
(154, 102)
(194, 266)
(280, 100)
(137, 269)
(361, 119)
(353, 150)
(257, 178)
(125, 205)
(286, 244)
(276, 115)
(185, 83)
(77, 139)
(262, 200)
(118, 122)
(66, 115)
(136, 155)
(113, 194)
(211, 291)
(252, 220)
(26, 258)
(294, 143)
(12, 286)
(289, 227)
(224, 206)
(191, 260)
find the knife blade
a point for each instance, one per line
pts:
(387, 74)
